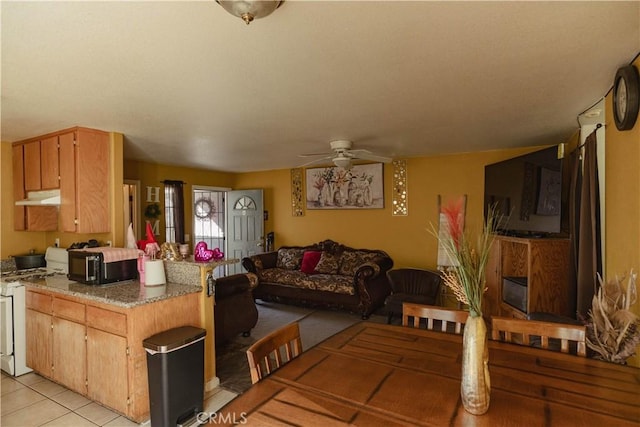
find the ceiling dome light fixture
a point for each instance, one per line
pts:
(249, 10)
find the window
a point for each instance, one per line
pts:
(169, 214)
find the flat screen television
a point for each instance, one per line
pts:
(527, 191)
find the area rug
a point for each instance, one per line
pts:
(315, 326)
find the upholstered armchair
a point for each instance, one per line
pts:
(411, 285)
(235, 310)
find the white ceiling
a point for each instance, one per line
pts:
(189, 84)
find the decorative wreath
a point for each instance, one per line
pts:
(204, 209)
(152, 211)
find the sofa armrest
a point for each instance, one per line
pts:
(255, 263)
(234, 284)
(375, 267)
(371, 283)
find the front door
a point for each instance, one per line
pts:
(245, 226)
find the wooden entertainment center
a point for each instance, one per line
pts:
(541, 263)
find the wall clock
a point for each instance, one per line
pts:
(204, 208)
(626, 97)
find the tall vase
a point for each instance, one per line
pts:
(475, 389)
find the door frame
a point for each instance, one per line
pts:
(137, 212)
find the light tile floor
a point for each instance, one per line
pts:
(32, 400)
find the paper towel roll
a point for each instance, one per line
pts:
(154, 273)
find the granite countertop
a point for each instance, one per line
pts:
(125, 294)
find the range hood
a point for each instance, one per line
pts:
(41, 198)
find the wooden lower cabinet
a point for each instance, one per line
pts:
(39, 345)
(542, 263)
(96, 348)
(107, 368)
(69, 354)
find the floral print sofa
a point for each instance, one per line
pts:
(325, 274)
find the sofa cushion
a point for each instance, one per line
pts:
(289, 258)
(319, 282)
(328, 263)
(351, 260)
(309, 261)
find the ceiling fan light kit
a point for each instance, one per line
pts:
(342, 162)
(249, 10)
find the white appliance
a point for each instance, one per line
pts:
(13, 347)
(14, 344)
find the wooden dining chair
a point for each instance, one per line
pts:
(274, 350)
(447, 318)
(532, 332)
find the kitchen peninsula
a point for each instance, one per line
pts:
(89, 338)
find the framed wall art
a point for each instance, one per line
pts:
(361, 187)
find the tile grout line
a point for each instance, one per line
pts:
(69, 410)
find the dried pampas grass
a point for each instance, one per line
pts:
(613, 331)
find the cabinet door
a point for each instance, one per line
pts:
(41, 218)
(67, 182)
(92, 183)
(107, 369)
(32, 177)
(49, 165)
(18, 187)
(84, 181)
(38, 332)
(69, 354)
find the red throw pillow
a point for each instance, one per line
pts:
(309, 261)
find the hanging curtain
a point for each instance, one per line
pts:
(177, 202)
(585, 224)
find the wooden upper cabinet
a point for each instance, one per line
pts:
(32, 172)
(67, 182)
(41, 165)
(75, 160)
(35, 167)
(84, 181)
(49, 163)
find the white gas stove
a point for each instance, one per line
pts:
(13, 309)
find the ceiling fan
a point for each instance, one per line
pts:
(342, 155)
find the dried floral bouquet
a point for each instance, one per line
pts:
(613, 331)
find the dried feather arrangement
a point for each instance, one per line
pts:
(613, 331)
(467, 278)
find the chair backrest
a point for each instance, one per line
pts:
(529, 332)
(415, 281)
(446, 316)
(274, 350)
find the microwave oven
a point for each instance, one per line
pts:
(99, 266)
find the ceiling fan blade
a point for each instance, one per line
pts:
(313, 162)
(315, 154)
(367, 155)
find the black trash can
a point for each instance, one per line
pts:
(175, 367)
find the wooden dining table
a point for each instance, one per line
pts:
(374, 374)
